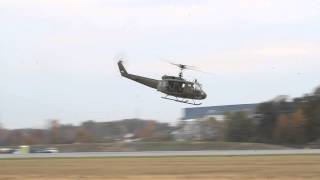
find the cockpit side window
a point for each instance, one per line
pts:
(197, 87)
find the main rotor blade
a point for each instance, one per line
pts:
(199, 70)
(182, 66)
(189, 67)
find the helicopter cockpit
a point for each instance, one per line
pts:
(174, 84)
(197, 85)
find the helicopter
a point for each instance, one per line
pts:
(181, 90)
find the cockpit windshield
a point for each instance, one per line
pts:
(197, 86)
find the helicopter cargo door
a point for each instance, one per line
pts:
(176, 86)
(163, 86)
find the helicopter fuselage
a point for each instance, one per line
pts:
(178, 87)
(169, 85)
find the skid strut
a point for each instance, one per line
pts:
(185, 101)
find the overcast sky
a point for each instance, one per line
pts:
(57, 57)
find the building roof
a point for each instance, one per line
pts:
(201, 112)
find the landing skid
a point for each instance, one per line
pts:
(185, 101)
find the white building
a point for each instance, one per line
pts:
(191, 128)
(217, 112)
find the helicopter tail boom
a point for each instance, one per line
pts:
(143, 80)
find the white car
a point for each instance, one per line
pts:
(52, 150)
(6, 150)
(48, 150)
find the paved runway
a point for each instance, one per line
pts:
(164, 153)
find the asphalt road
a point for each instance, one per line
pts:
(164, 153)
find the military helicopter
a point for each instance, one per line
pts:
(181, 90)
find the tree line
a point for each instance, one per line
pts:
(280, 121)
(87, 132)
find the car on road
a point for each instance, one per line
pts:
(46, 150)
(6, 150)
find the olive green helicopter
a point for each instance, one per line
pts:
(181, 90)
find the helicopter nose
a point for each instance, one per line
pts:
(203, 95)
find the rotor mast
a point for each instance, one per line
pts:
(182, 67)
(181, 72)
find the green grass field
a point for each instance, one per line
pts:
(237, 167)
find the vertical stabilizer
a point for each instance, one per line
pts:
(123, 70)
